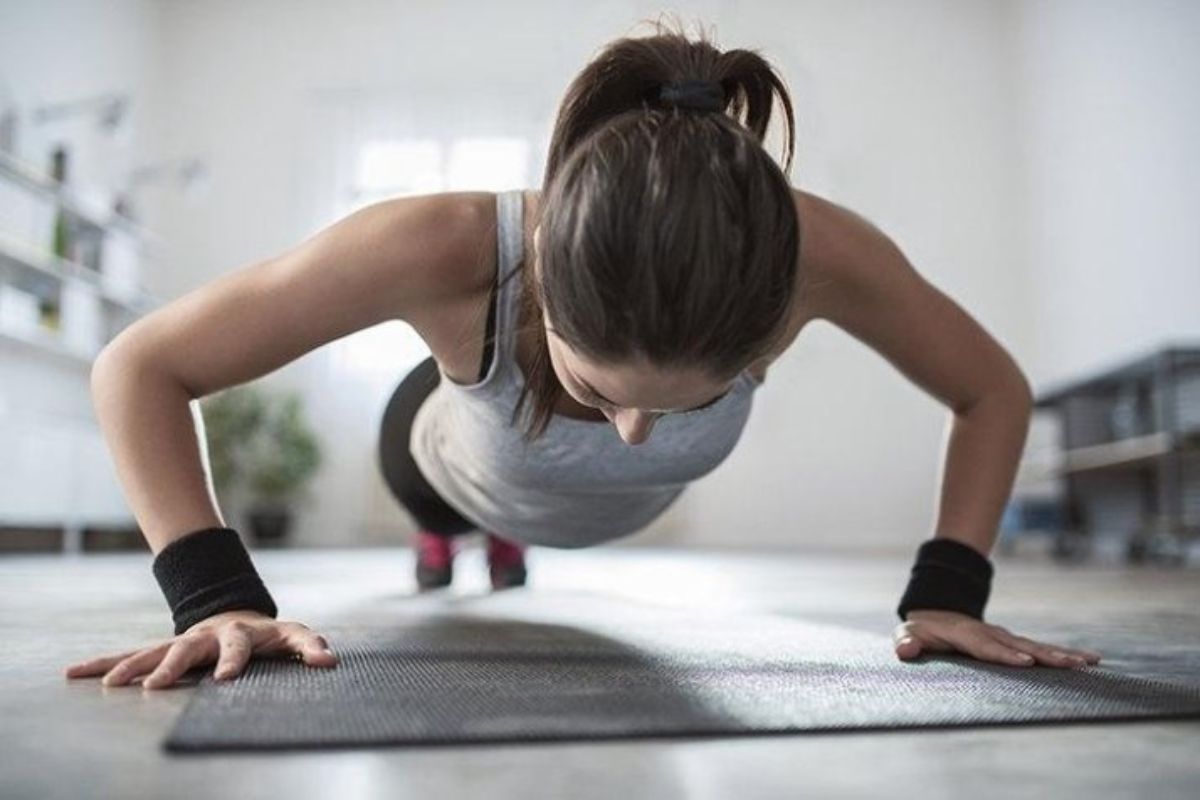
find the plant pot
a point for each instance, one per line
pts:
(269, 526)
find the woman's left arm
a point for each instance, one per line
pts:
(870, 290)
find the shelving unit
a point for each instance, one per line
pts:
(1129, 455)
(27, 263)
(59, 474)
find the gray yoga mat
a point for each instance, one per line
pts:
(534, 666)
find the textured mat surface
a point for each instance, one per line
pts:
(532, 666)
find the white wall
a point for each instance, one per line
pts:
(248, 85)
(906, 117)
(1111, 105)
(972, 132)
(53, 53)
(904, 114)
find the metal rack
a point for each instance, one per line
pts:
(1129, 456)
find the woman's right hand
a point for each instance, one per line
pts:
(228, 638)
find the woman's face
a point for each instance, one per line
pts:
(632, 396)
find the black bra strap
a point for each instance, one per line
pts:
(489, 335)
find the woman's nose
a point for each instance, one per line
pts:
(633, 425)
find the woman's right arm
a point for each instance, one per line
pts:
(380, 263)
(397, 259)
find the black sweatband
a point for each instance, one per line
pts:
(948, 576)
(207, 572)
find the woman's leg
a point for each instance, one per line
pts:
(436, 519)
(399, 469)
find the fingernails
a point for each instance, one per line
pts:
(1025, 658)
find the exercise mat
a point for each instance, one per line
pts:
(525, 665)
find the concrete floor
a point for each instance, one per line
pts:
(63, 738)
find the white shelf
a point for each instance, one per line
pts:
(31, 178)
(1109, 455)
(50, 343)
(62, 473)
(37, 261)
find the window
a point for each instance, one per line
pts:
(397, 168)
(386, 168)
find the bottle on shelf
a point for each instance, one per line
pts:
(49, 310)
(49, 305)
(62, 225)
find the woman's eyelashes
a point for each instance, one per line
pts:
(596, 402)
(712, 402)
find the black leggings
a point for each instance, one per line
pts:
(400, 472)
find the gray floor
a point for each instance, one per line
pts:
(64, 738)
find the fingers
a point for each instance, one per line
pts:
(232, 645)
(183, 654)
(311, 647)
(236, 646)
(1049, 655)
(139, 663)
(908, 647)
(986, 647)
(906, 641)
(915, 635)
(96, 666)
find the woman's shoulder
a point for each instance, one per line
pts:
(452, 322)
(440, 244)
(811, 276)
(828, 230)
(462, 229)
(840, 249)
(831, 242)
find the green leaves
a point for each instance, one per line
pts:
(259, 439)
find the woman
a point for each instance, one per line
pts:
(596, 346)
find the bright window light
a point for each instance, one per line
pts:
(411, 166)
(381, 352)
(487, 164)
(395, 168)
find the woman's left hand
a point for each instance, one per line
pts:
(949, 631)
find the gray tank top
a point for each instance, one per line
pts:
(579, 484)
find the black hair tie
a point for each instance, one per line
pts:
(693, 94)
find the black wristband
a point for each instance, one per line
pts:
(949, 576)
(207, 572)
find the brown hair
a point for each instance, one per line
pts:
(667, 234)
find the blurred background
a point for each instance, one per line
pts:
(1035, 159)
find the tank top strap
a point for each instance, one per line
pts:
(510, 235)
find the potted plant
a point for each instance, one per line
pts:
(231, 418)
(281, 459)
(260, 443)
